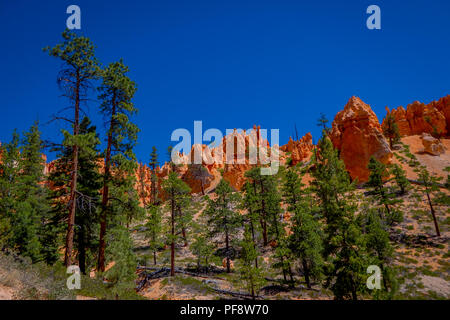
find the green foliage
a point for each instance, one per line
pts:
(400, 178)
(252, 277)
(154, 229)
(385, 198)
(380, 253)
(120, 250)
(201, 247)
(390, 130)
(223, 219)
(305, 241)
(345, 260)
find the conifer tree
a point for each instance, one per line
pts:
(390, 130)
(87, 202)
(116, 93)
(176, 191)
(79, 69)
(32, 207)
(154, 179)
(250, 202)
(223, 218)
(120, 250)
(344, 249)
(322, 122)
(400, 178)
(381, 251)
(9, 171)
(378, 173)
(252, 277)
(201, 247)
(154, 229)
(429, 185)
(305, 241)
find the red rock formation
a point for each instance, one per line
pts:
(443, 105)
(419, 118)
(300, 150)
(357, 133)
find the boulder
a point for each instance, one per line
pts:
(432, 145)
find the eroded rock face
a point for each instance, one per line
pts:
(419, 117)
(300, 150)
(357, 134)
(432, 145)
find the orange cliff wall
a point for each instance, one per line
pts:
(419, 117)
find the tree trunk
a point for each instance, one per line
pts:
(227, 248)
(436, 226)
(172, 244)
(105, 195)
(253, 239)
(306, 273)
(74, 177)
(154, 257)
(82, 250)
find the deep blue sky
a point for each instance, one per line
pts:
(230, 63)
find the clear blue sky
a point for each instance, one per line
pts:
(230, 63)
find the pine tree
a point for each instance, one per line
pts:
(87, 202)
(201, 247)
(322, 122)
(400, 178)
(154, 179)
(429, 185)
(9, 171)
(381, 251)
(120, 250)
(305, 241)
(116, 93)
(378, 173)
(223, 218)
(250, 202)
(390, 130)
(252, 277)
(80, 68)
(344, 249)
(176, 191)
(32, 208)
(154, 229)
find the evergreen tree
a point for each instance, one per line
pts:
(154, 179)
(32, 207)
(116, 93)
(87, 200)
(381, 252)
(154, 229)
(80, 67)
(400, 178)
(344, 249)
(322, 122)
(176, 191)
(305, 241)
(9, 171)
(379, 172)
(223, 218)
(250, 202)
(252, 277)
(120, 250)
(390, 130)
(429, 186)
(201, 247)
